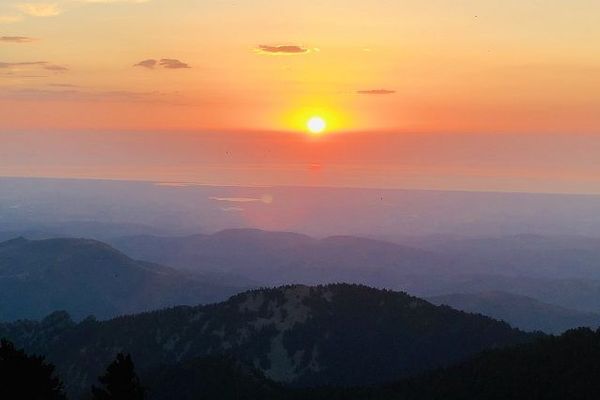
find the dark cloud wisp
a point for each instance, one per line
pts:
(55, 68)
(22, 64)
(63, 85)
(41, 64)
(149, 63)
(16, 39)
(376, 91)
(282, 49)
(171, 63)
(167, 63)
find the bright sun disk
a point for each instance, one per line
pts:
(316, 125)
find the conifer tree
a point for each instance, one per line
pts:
(120, 382)
(27, 377)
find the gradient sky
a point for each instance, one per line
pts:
(478, 95)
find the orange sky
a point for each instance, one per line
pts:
(480, 67)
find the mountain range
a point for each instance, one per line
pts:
(555, 270)
(49, 274)
(87, 277)
(533, 255)
(301, 336)
(522, 312)
(277, 258)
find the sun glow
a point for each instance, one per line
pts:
(316, 125)
(314, 120)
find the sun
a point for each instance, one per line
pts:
(316, 125)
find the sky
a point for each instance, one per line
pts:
(442, 94)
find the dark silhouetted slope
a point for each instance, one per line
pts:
(299, 335)
(220, 378)
(551, 368)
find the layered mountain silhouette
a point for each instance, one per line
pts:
(542, 256)
(50, 274)
(553, 270)
(276, 258)
(519, 311)
(298, 335)
(87, 277)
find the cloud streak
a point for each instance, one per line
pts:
(4, 65)
(55, 68)
(171, 63)
(40, 9)
(55, 8)
(16, 39)
(150, 64)
(39, 64)
(376, 92)
(167, 63)
(63, 85)
(282, 49)
(67, 93)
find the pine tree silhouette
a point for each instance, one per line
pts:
(120, 381)
(27, 377)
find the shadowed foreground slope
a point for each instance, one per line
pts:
(549, 368)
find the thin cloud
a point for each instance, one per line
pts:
(54, 8)
(16, 39)
(376, 92)
(282, 49)
(171, 63)
(40, 9)
(167, 63)
(4, 65)
(150, 63)
(40, 64)
(56, 68)
(74, 94)
(62, 85)
(12, 74)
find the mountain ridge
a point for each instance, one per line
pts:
(299, 335)
(278, 258)
(85, 276)
(523, 312)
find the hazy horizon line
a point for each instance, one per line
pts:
(183, 184)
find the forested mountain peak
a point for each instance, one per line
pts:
(335, 334)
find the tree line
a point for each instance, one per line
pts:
(31, 377)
